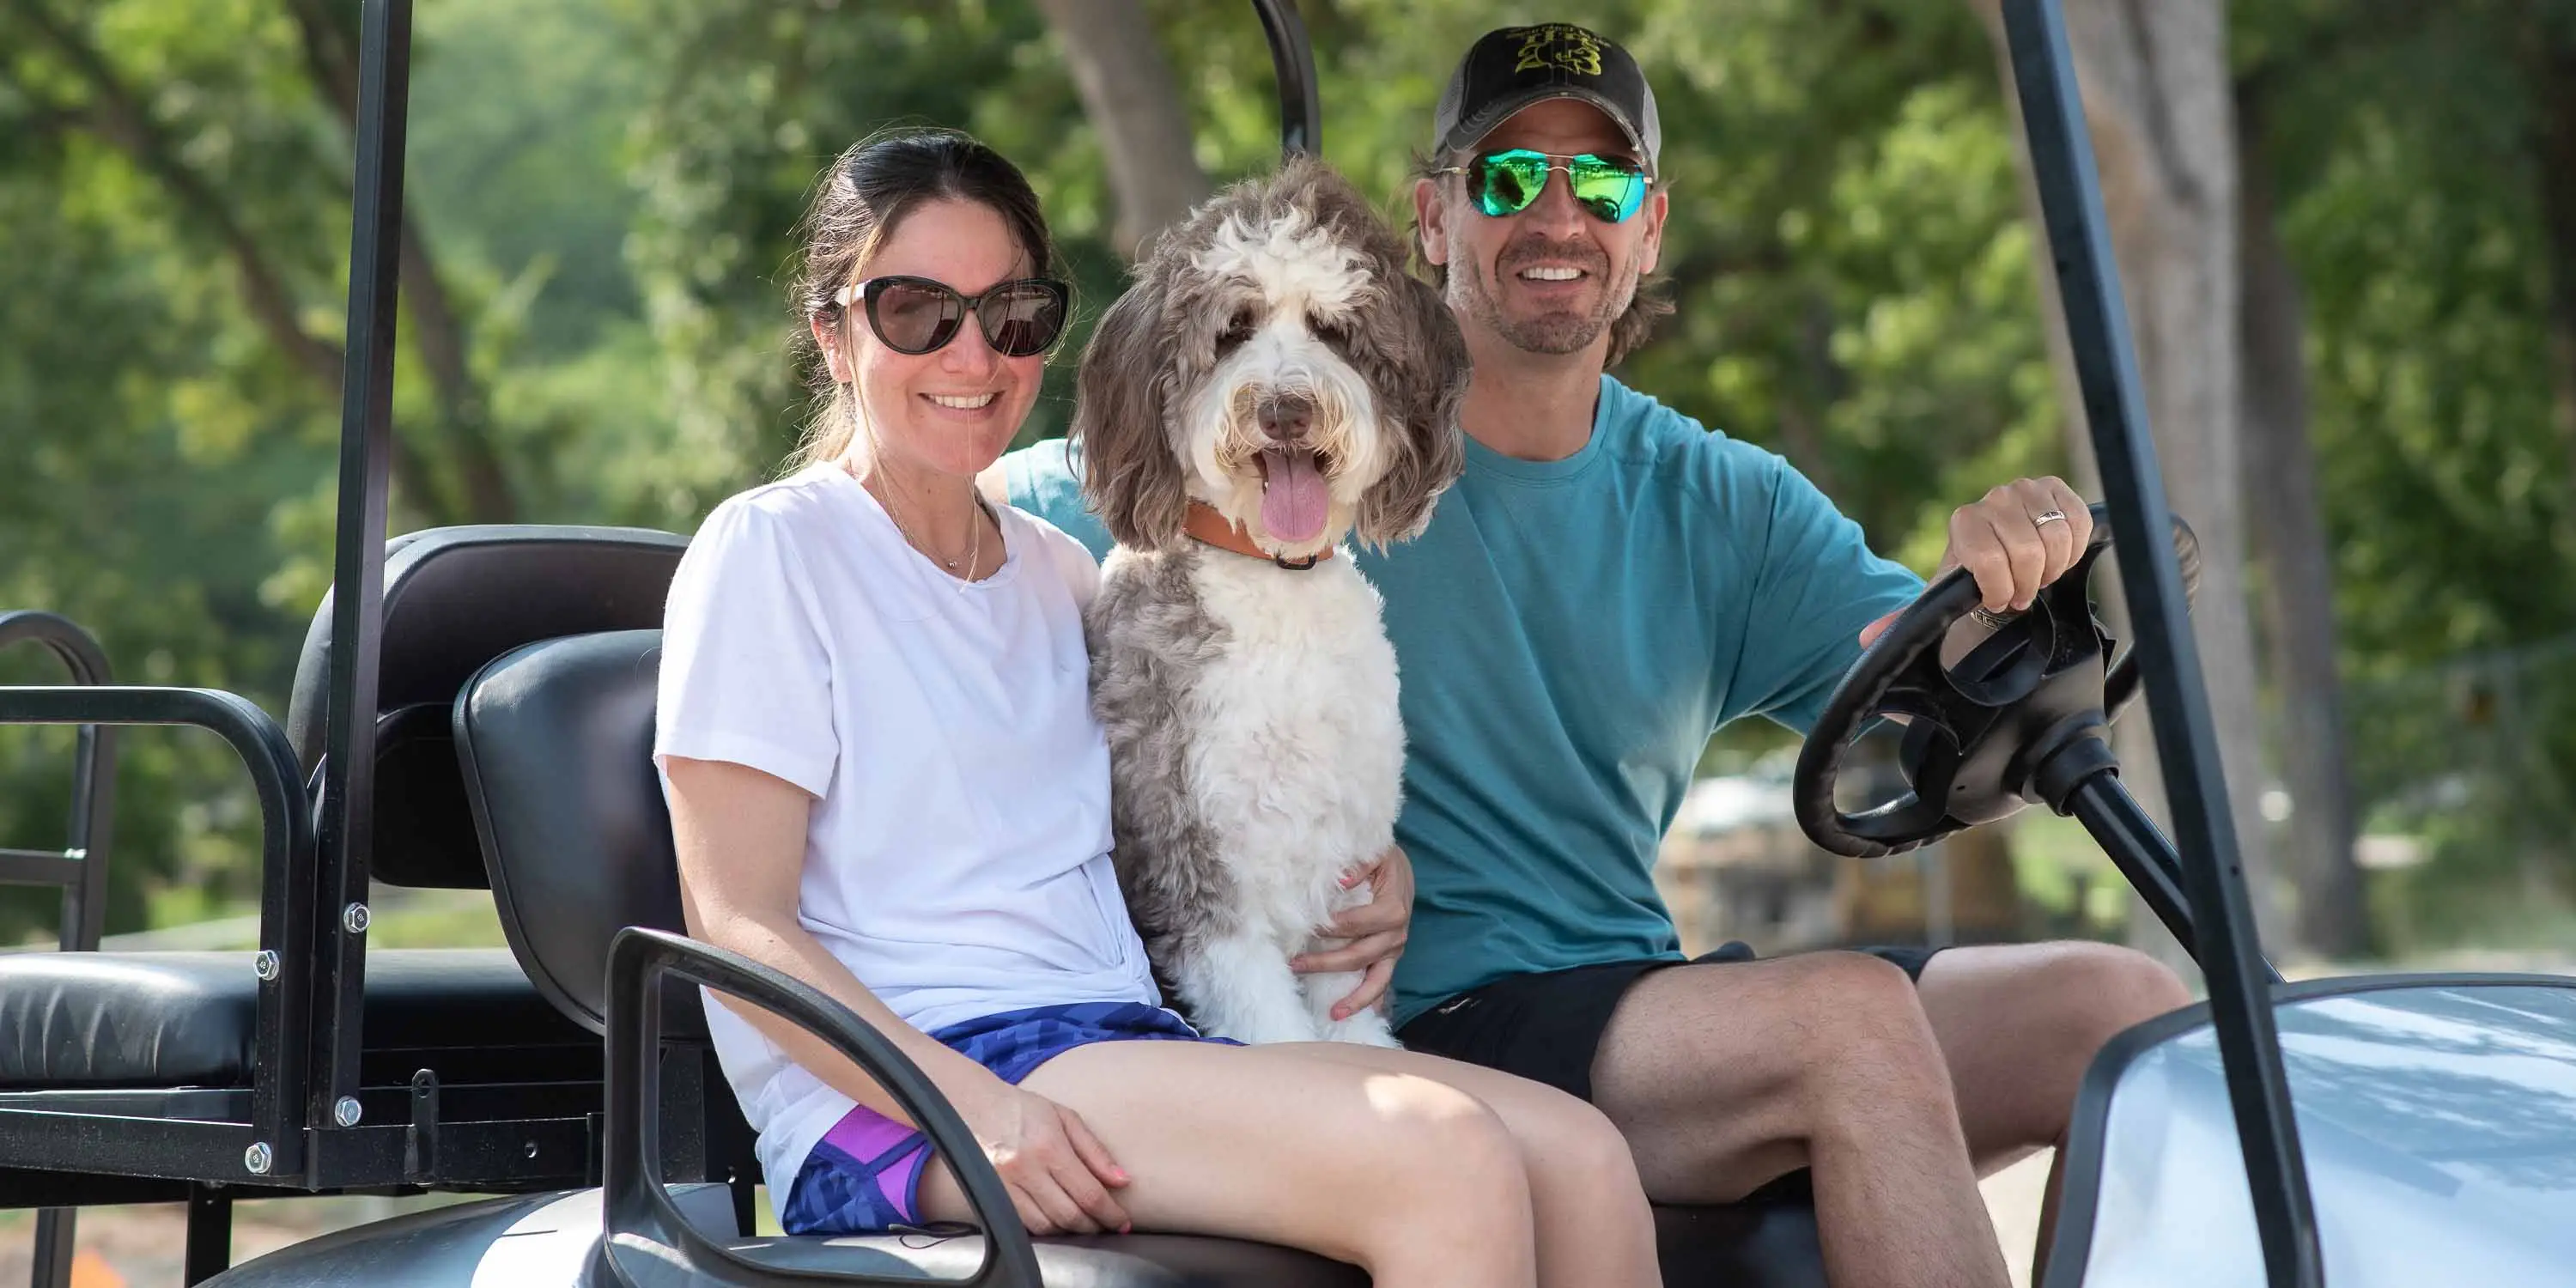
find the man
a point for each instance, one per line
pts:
(1606, 584)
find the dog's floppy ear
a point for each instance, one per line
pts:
(1420, 365)
(1130, 477)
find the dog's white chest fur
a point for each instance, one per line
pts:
(1301, 759)
(1257, 756)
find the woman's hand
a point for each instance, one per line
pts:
(1376, 931)
(1058, 1174)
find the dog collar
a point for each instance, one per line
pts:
(1215, 529)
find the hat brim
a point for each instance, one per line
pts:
(1468, 133)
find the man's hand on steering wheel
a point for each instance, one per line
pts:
(2015, 540)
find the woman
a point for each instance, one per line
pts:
(885, 780)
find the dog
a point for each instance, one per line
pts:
(1272, 382)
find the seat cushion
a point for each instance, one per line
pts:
(552, 1240)
(1766, 1242)
(1124, 1261)
(188, 1019)
(454, 599)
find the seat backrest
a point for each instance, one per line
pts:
(454, 599)
(556, 741)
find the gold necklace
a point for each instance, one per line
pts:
(974, 551)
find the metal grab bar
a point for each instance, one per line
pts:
(646, 1238)
(80, 868)
(287, 926)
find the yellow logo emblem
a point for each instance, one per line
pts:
(1560, 46)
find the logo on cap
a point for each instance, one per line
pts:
(1557, 45)
(1510, 68)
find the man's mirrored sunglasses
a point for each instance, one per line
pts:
(1505, 183)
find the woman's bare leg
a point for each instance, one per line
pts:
(1594, 1227)
(1406, 1176)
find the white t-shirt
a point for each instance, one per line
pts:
(957, 856)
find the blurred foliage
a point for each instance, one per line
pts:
(606, 189)
(2408, 144)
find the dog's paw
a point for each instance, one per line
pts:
(1368, 1028)
(1266, 1030)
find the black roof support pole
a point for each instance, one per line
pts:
(358, 567)
(2187, 746)
(1292, 63)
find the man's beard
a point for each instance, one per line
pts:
(1556, 331)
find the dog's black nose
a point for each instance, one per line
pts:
(1284, 417)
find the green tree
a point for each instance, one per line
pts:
(174, 194)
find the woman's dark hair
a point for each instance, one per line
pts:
(857, 204)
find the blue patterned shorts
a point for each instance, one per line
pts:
(865, 1174)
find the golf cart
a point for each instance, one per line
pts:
(473, 708)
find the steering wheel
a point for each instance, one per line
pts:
(1969, 728)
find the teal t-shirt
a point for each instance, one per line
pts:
(1568, 634)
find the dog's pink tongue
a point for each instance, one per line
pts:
(1293, 500)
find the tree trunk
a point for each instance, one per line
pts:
(2550, 74)
(438, 332)
(2288, 535)
(1129, 95)
(2156, 92)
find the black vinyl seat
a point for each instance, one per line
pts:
(454, 598)
(556, 741)
(189, 1019)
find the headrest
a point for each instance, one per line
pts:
(455, 598)
(555, 741)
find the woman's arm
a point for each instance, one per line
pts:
(740, 834)
(741, 840)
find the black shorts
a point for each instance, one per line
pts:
(1546, 1027)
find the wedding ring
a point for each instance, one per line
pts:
(2046, 517)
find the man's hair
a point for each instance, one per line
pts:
(1628, 332)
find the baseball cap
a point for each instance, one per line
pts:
(1512, 67)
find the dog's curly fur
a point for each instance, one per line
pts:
(1250, 707)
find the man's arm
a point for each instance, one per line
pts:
(1045, 479)
(1818, 585)
(1822, 595)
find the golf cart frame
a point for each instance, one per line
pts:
(310, 1119)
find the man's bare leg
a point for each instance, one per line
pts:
(1725, 1076)
(2018, 1026)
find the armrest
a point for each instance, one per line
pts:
(285, 824)
(77, 648)
(647, 1241)
(287, 884)
(80, 867)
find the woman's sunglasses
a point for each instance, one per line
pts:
(915, 315)
(1505, 183)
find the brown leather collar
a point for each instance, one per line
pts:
(1215, 529)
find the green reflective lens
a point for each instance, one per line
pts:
(1505, 183)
